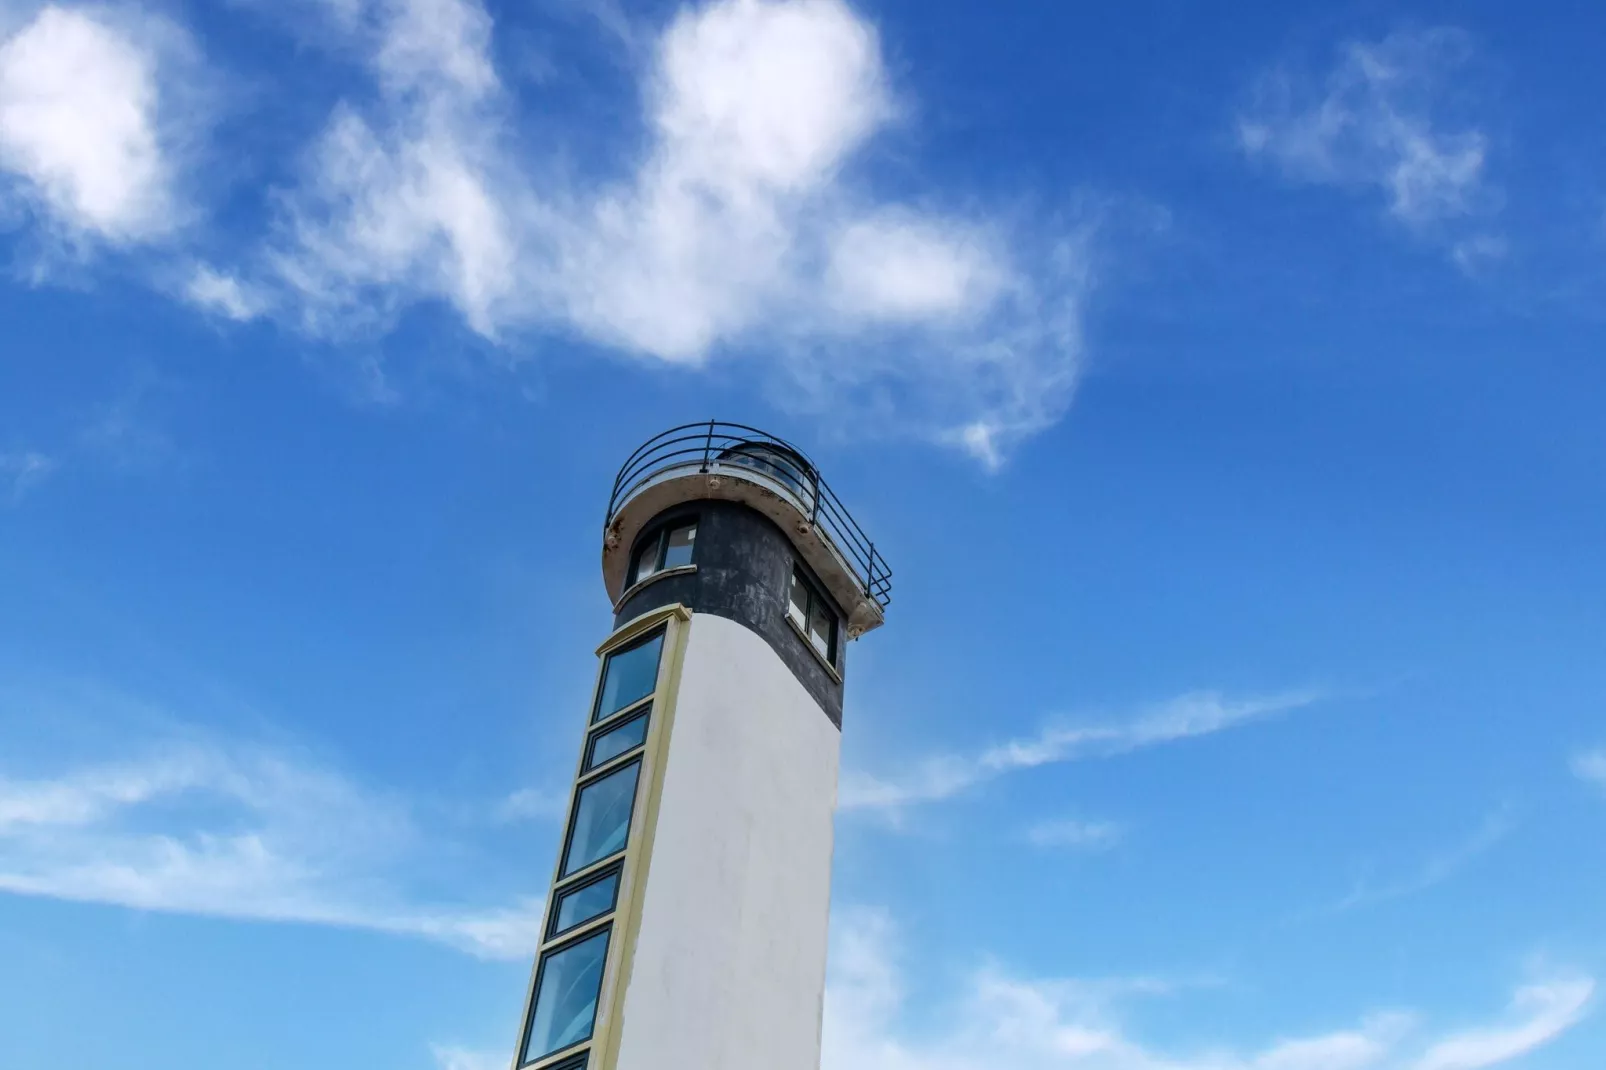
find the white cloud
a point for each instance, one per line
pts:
(1539, 1013)
(1076, 834)
(1377, 121)
(261, 837)
(223, 294)
(1181, 718)
(24, 470)
(738, 233)
(1590, 766)
(91, 120)
(1027, 1024)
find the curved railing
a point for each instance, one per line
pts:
(714, 445)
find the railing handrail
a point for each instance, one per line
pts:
(702, 445)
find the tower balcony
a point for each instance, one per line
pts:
(737, 463)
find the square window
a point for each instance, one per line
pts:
(601, 823)
(629, 676)
(589, 901)
(567, 986)
(608, 745)
(678, 546)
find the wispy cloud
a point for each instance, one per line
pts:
(223, 294)
(238, 832)
(533, 804)
(942, 777)
(1029, 1024)
(1076, 834)
(1438, 868)
(453, 1058)
(1590, 766)
(94, 121)
(23, 470)
(1378, 121)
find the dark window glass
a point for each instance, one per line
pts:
(678, 545)
(630, 676)
(813, 615)
(570, 980)
(606, 746)
(585, 903)
(601, 819)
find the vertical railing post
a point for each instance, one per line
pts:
(708, 446)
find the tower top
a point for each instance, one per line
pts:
(737, 463)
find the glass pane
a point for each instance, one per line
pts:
(678, 550)
(646, 560)
(630, 676)
(566, 999)
(822, 627)
(797, 606)
(616, 741)
(602, 819)
(583, 904)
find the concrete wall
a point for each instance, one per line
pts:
(729, 964)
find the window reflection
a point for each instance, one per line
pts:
(580, 905)
(608, 745)
(601, 819)
(629, 676)
(566, 997)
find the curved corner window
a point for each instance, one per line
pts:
(629, 676)
(670, 546)
(601, 823)
(567, 986)
(814, 615)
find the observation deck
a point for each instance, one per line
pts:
(737, 463)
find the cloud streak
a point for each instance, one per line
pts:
(1076, 834)
(998, 1019)
(942, 777)
(1437, 869)
(262, 837)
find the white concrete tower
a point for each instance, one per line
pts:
(686, 929)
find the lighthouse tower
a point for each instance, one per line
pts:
(686, 928)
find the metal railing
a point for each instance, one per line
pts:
(713, 445)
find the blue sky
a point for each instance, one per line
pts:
(1223, 386)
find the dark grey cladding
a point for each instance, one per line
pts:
(744, 569)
